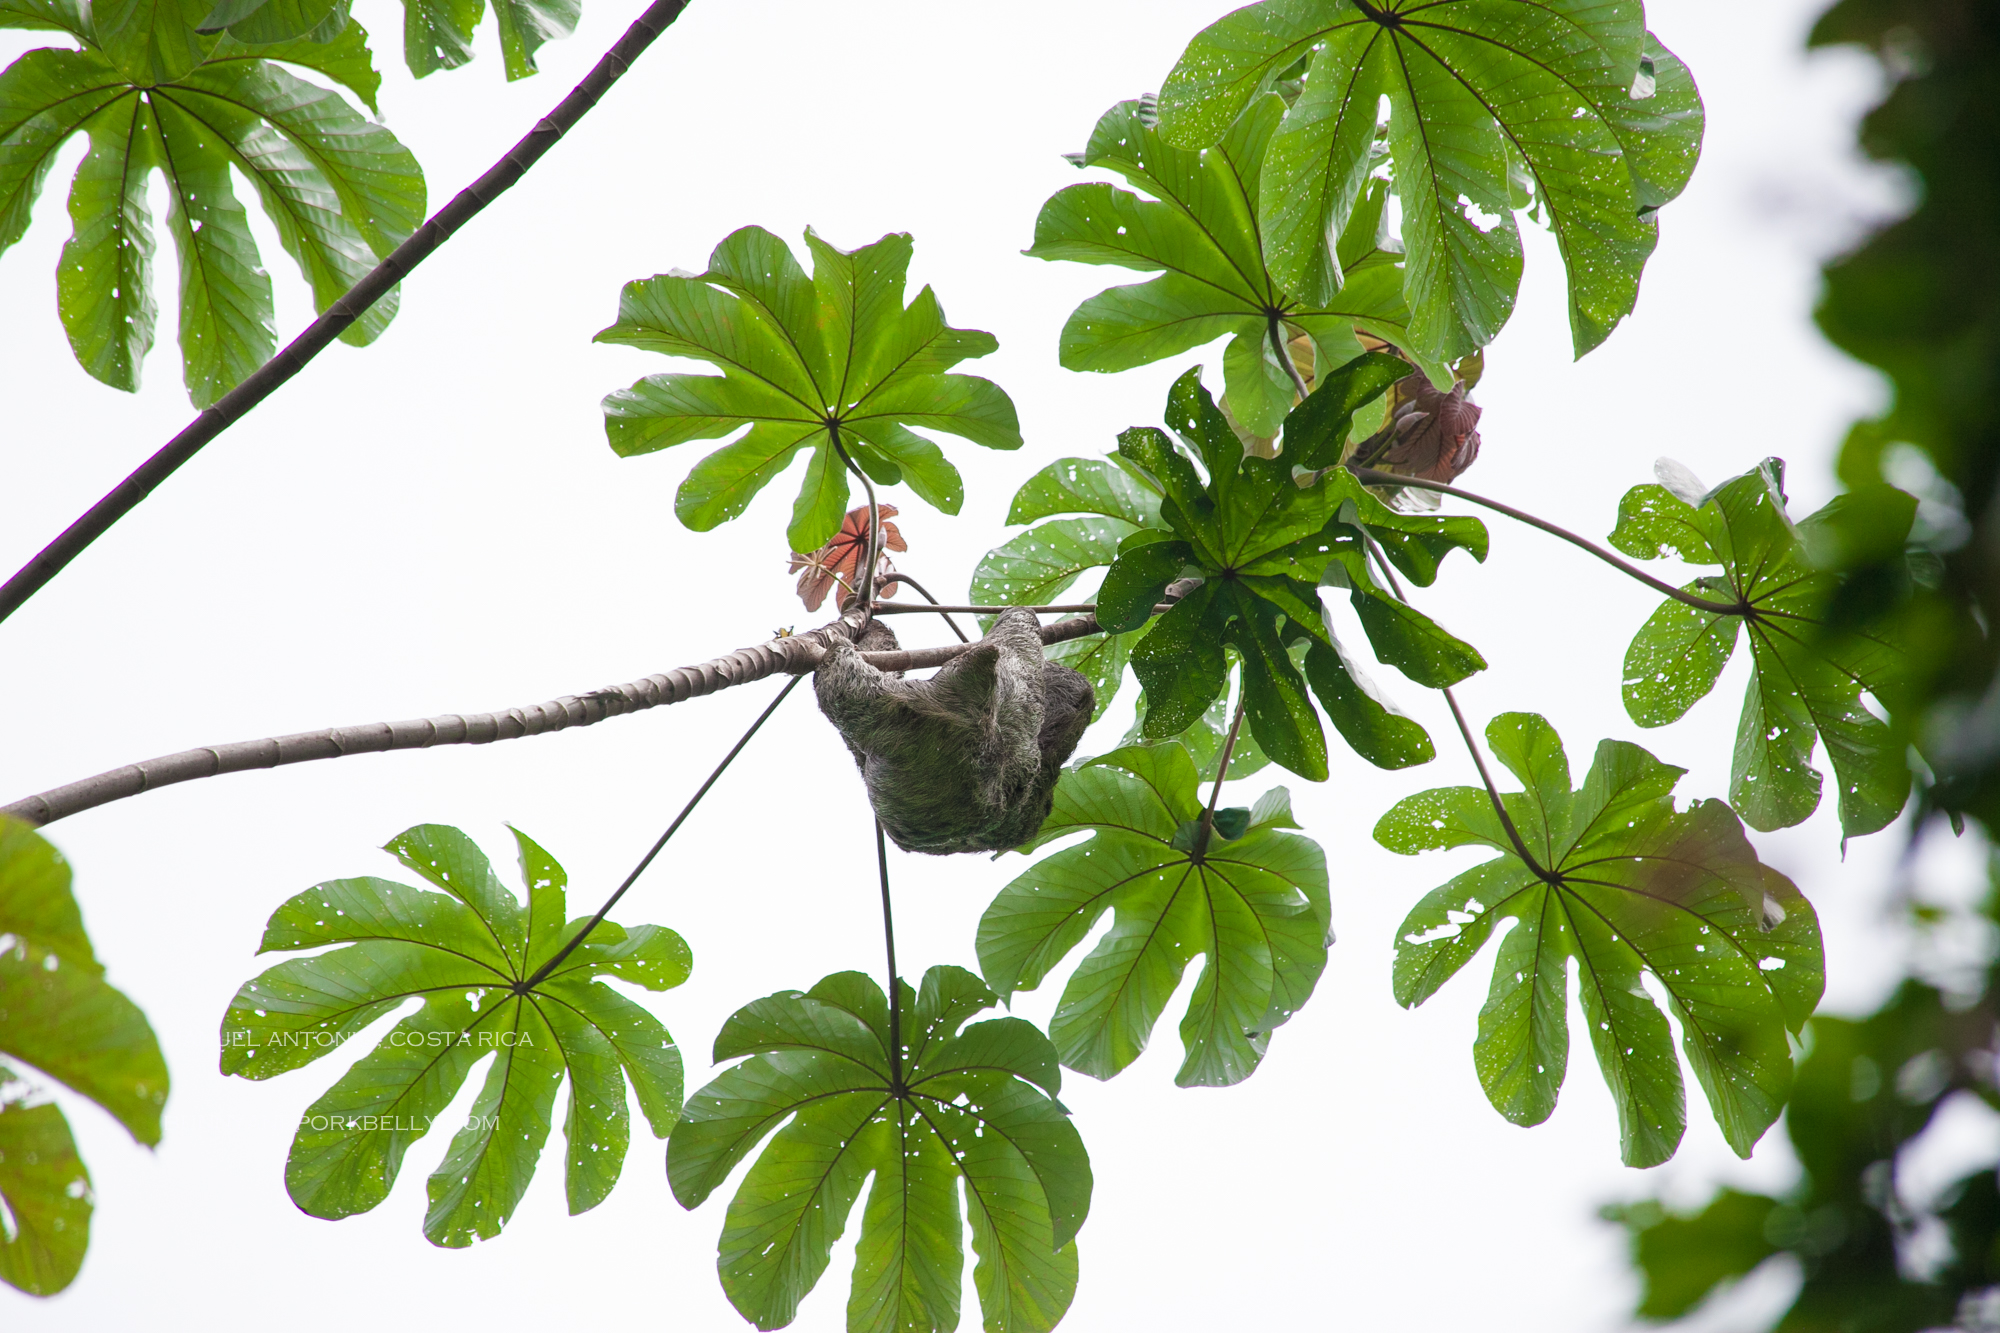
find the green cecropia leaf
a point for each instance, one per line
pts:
(823, 364)
(1631, 889)
(1808, 677)
(469, 953)
(1492, 105)
(1199, 232)
(1253, 905)
(1262, 545)
(60, 1018)
(45, 1191)
(956, 1105)
(437, 34)
(340, 190)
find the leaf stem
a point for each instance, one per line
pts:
(867, 600)
(541, 973)
(1493, 793)
(383, 278)
(1285, 357)
(925, 593)
(895, 987)
(1371, 477)
(1221, 772)
(1478, 760)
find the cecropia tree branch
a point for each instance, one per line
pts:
(792, 655)
(266, 379)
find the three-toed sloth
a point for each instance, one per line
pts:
(966, 761)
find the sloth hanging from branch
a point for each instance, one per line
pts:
(966, 761)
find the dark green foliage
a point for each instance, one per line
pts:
(1809, 671)
(1263, 546)
(154, 95)
(1619, 880)
(1251, 898)
(1865, 1090)
(1921, 302)
(956, 1104)
(469, 952)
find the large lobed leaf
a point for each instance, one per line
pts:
(1492, 104)
(1808, 675)
(1199, 231)
(1252, 902)
(61, 1018)
(972, 1105)
(1631, 889)
(155, 96)
(468, 952)
(1263, 545)
(823, 364)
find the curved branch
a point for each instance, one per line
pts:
(266, 379)
(1368, 476)
(792, 655)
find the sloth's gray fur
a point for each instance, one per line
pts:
(966, 761)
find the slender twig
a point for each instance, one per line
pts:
(1221, 772)
(541, 973)
(867, 598)
(266, 379)
(1492, 792)
(1478, 760)
(1371, 477)
(895, 988)
(1285, 359)
(792, 655)
(925, 593)
(911, 609)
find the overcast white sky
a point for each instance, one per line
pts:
(435, 524)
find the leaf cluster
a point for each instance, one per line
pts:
(1247, 895)
(1611, 875)
(154, 95)
(1199, 231)
(844, 1088)
(834, 366)
(1810, 675)
(1567, 106)
(1263, 544)
(479, 961)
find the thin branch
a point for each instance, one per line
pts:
(867, 597)
(542, 973)
(925, 593)
(1478, 760)
(1221, 772)
(1492, 792)
(1285, 359)
(891, 609)
(792, 655)
(1371, 477)
(265, 380)
(895, 990)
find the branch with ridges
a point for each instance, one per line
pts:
(792, 655)
(266, 379)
